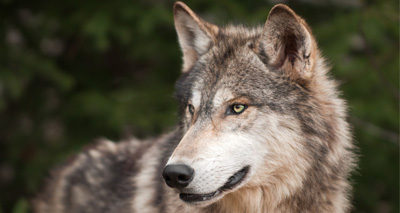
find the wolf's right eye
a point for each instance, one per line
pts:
(191, 109)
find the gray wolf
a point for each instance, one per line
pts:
(262, 129)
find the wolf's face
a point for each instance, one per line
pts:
(244, 103)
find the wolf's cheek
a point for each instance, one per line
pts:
(284, 148)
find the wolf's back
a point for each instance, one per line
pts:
(104, 177)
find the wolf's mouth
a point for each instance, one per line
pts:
(233, 181)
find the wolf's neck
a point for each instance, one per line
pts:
(261, 200)
(255, 199)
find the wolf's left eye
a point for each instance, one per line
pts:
(236, 109)
(191, 109)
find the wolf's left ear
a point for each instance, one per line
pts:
(196, 36)
(288, 43)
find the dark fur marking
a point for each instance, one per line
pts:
(228, 53)
(251, 46)
(263, 56)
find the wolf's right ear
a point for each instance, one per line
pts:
(195, 35)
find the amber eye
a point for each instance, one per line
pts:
(236, 109)
(191, 109)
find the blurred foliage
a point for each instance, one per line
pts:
(72, 71)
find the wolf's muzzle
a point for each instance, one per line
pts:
(178, 175)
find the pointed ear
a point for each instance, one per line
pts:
(288, 43)
(196, 36)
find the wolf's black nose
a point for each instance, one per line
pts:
(178, 175)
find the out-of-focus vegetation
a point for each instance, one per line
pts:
(71, 71)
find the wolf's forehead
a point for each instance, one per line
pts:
(222, 95)
(217, 85)
(216, 98)
(230, 69)
(214, 92)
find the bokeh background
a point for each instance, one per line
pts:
(72, 71)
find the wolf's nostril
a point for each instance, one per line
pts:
(183, 178)
(178, 175)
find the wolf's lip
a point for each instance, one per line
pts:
(233, 181)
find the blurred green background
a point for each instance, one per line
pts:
(72, 71)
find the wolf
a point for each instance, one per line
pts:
(262, 129)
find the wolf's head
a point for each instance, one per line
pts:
(253, 111)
